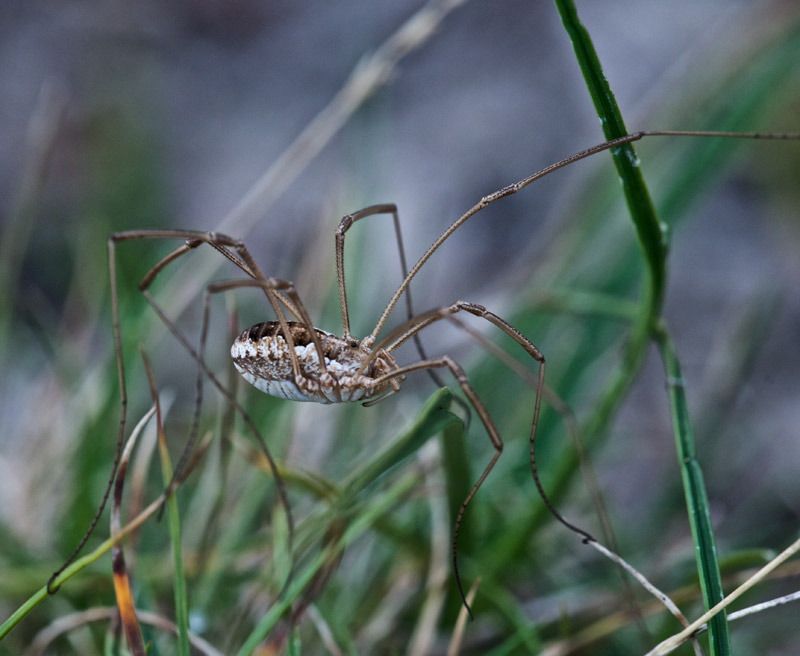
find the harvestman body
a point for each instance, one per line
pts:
(281, 358)
(261, 355)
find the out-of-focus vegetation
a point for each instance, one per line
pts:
(368, 569)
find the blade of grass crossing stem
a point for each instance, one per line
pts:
(80, 564)
(696, 500)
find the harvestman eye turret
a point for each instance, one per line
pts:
(282, 357)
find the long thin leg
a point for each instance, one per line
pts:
(491, 430)
(235, 251)
(179, 474)
(123, 403)
(344, 225)
(413, 326)
(242, 259)
(568, 418)
(513, 188)
(410, 328)
(224, 244)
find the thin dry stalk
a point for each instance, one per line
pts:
(672, 643)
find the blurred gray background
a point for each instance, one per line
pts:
(180, 107)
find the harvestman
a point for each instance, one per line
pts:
(280, 357)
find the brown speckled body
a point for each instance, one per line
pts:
(261, 355)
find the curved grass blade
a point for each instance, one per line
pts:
(653, 240)
(433, 418)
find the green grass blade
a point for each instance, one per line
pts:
(433, 417)
(33, 601)
(696, 499)
(652, 234)
(78, 565)
(179, 577)
(653, 240)
(458, 479)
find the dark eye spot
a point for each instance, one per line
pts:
(353, 344)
